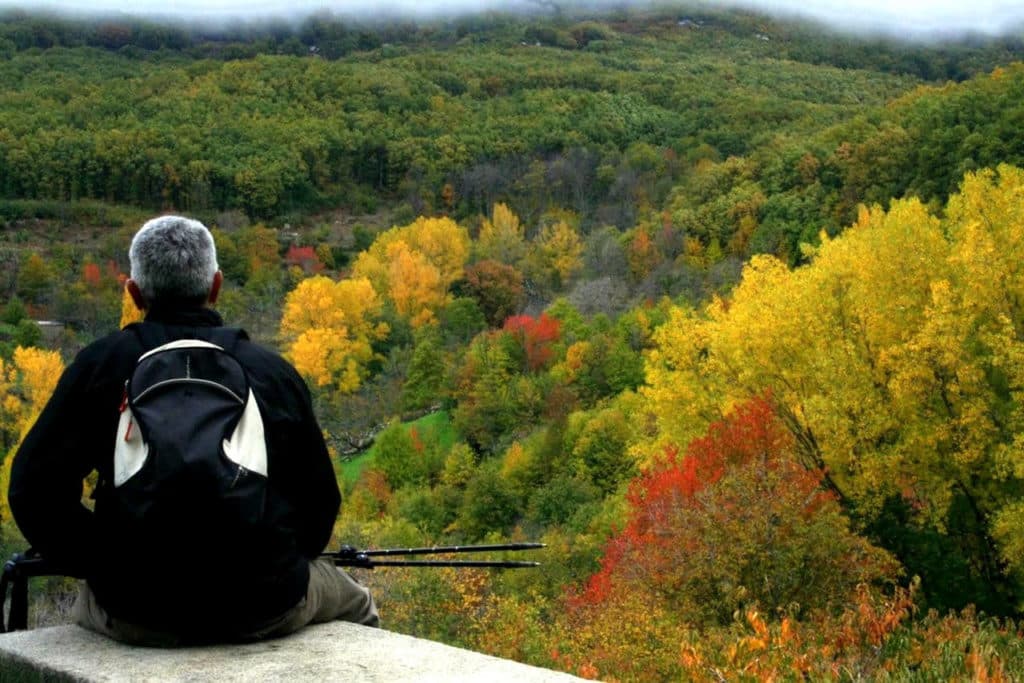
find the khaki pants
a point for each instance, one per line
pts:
(332, 594)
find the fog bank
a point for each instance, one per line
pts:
(914, 18)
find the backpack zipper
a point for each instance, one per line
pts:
(124, 407)
(240, 474)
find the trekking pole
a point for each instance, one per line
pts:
(16, 573)
(347, 556)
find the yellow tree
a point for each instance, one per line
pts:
(560, 250)
(413, 266)
(501, 237)
(329, 327)
(27, 384)
(38, 371)
(442, 242)
(416, 286)
(986, 222)
(821, 338)
(130, 313)
(555, 255)
(10, 407)
(895, 358)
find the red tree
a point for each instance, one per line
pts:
(91, 275)
(305, 258)
(735, 520)
(536, 336)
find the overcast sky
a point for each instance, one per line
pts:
(915, 17)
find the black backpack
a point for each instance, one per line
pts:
(190, 453)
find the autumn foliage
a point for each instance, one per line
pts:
(305, 258)
(413, 266)
(726, 326)
(26, 383)
(497, 287)
(329, 328)
(894, 358)
(535, 336)
(734, 523)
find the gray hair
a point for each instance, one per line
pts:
(173, 258)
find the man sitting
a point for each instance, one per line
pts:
(192, 578)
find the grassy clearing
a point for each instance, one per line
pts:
(435, 428)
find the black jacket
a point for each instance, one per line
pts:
(223, 585)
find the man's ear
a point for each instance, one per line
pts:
(133, 289)
(218, 280)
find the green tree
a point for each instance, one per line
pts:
(488, 506)
(598, 447)
(14, 311)
(461, 320)
(425, 379)
(28, 334)
(494, 401)
(395, 455)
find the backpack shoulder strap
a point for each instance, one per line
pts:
(227, 337)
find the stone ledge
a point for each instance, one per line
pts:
(336, 651)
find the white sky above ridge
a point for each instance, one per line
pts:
(898, 17)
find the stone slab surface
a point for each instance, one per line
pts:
(336, 651)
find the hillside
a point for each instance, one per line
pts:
(275, 134)
(724, 309)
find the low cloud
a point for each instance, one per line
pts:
(903, 18)
(913, 18)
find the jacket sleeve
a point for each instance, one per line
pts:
(45, 491)
(307, 477)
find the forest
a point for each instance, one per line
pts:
(726, 310)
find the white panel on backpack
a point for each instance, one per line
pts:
(130, 450)
(247, 446)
